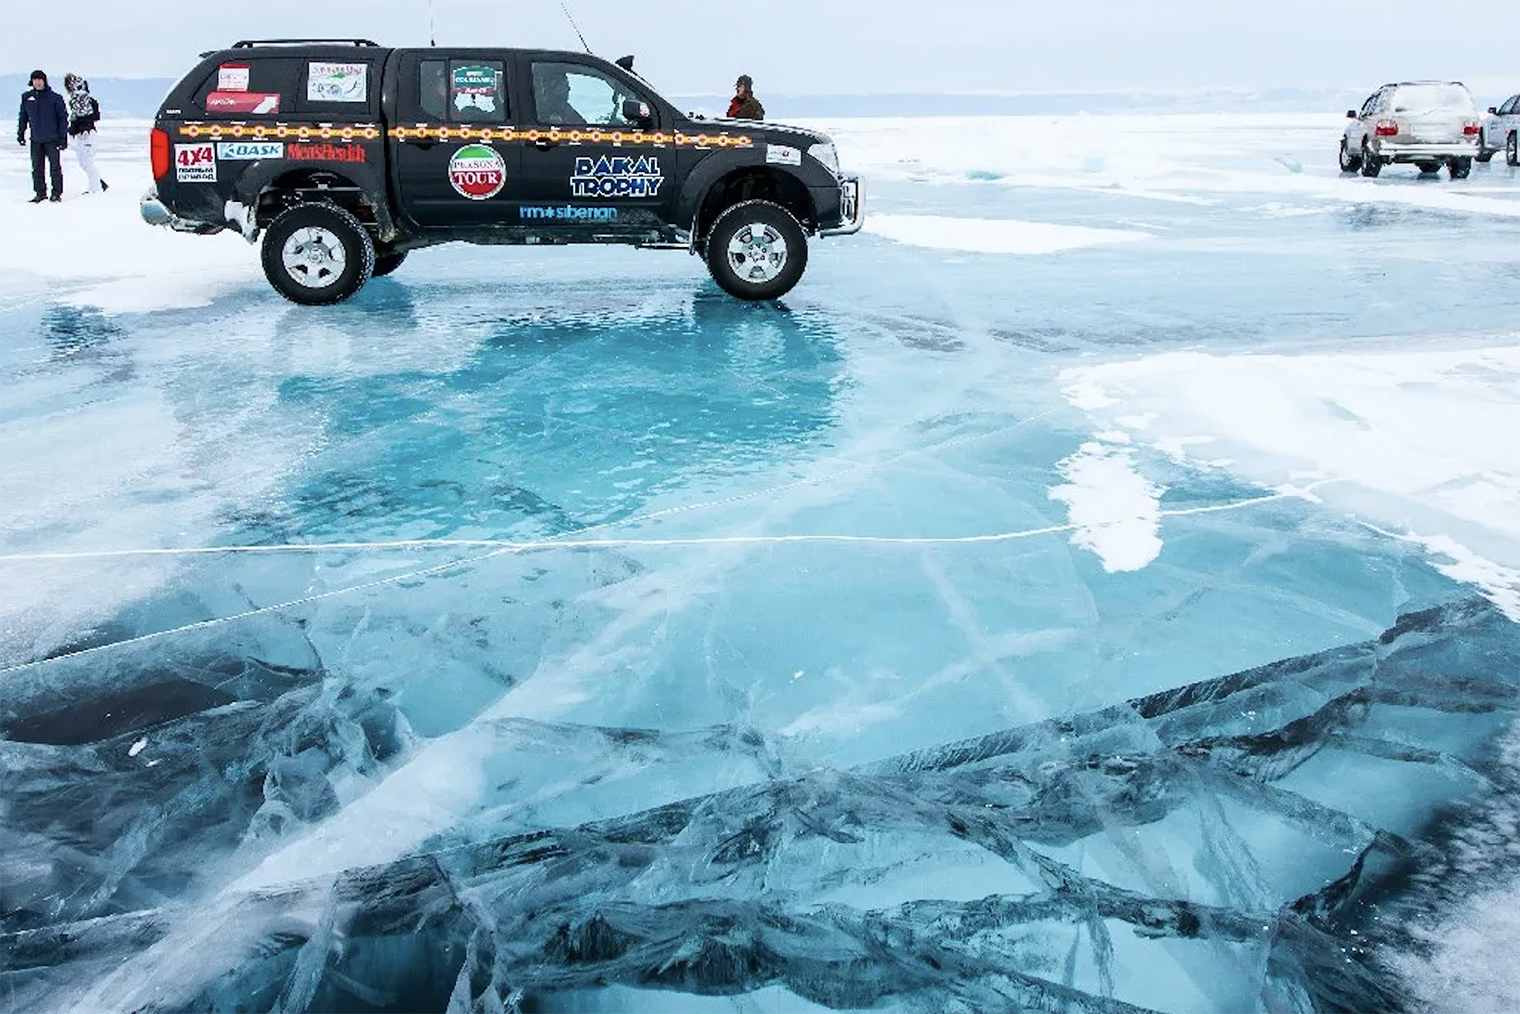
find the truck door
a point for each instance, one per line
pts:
(585, 160)
(454, 161)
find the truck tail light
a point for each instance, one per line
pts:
(158, 149)
(1387, 128)
(1471, 127)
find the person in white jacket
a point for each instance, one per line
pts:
(84, 113)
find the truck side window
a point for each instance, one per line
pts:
(476, 94)
(572, 94)
(249, 87)
(462, 90)
(433, 95)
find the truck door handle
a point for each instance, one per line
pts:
(544, 144)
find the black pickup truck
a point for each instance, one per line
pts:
(345, 155)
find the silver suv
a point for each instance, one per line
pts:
(1427, 123)
(1501, 132)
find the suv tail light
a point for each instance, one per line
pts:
(1471, 127)
(1387, 128)
(158, 148)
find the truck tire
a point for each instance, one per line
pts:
(1511, 150)
(315, 254)
(385, 263)
(756, 250)
(1459, 168)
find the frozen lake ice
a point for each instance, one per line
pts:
(1093, 588)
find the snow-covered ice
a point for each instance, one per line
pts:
(1095, 585)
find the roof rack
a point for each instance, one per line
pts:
(250, 43)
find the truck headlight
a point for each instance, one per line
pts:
(826, 154)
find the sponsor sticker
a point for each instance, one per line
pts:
(475, 88)
(231, 77)
(243, 102)
(248, 151)
(780, 154)
(565, 213)
(325, 152)
(616, 176)
(195, 163)
(337, 82)
(477, 172)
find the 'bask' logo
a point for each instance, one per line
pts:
(477, 172)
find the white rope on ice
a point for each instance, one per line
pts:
(516, 546)
(500, 547)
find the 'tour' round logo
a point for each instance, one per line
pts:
(477, 172)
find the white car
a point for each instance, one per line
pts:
(1501, 128)
(1427, 123)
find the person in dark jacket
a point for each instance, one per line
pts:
(45, 114)
(84, 113)
(744, 105)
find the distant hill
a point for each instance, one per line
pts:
(140, 98)
(124, 97)
(1284, 100)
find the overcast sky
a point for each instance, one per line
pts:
(839, 46)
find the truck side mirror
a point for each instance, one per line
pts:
(1351, 114)
(638, 112)
(1494, 110)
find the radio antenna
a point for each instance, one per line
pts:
(432, 31)
(578, 34)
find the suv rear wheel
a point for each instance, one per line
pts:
(756, 250)
(1349, 163)
(317, 253)
(1512, 149)
(1460, 168)
(1371, 164)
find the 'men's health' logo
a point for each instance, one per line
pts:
(616, 176)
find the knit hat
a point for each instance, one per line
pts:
(36, 74)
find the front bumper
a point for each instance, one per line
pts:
(154, 213)
(1393, 152)
(852, 207)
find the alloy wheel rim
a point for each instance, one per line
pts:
(314, 257)
(757, 253)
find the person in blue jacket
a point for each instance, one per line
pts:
(44, 112)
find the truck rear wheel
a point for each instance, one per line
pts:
(317, 253)
(756, 250)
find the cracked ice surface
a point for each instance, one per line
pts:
(1011, 619)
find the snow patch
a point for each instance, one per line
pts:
(1117, 511)
(1421, 442)
(993, 235)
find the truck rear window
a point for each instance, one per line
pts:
(1431, 98)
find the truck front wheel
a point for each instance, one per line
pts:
(387, 262)
(756, 250)
(317, 253)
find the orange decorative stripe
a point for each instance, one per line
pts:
(302, 131)
(424, 132)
